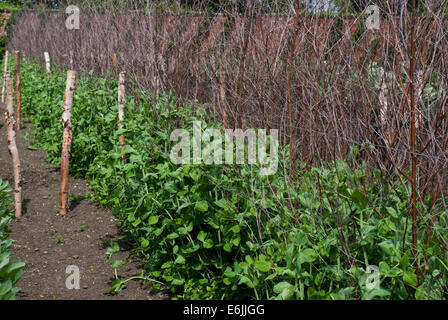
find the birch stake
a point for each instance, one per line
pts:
(67, 140)
(383, 96)
(18, 90)
(222, 93)
(47, 61)
(121, 95)
(419, 122)
(71, 60)
(12, 146)
(5, 69)
(114, 63)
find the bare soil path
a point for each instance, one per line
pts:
(48, 242)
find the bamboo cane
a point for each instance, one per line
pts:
(47, 61)
(12, 146)
(5, 69)
(18, 90)
(67, 140)
(121, 96)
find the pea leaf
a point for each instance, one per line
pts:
(201, 206)
(153, 220)
(262, 266)
(284, 289)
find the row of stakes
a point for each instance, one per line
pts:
(13, 123)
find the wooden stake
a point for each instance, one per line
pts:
(383, 96)
(47, 61)
(121, 96)
(67, 140)
(18, 89)
(5, 69)
(222, 93)
(102, 66)
(114, 64)
(12, 146)
(71, 60)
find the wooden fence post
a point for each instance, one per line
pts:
(121, 96)
(5, 69)
(67, 140)
(18, 90)
(12, 146)
(47, 61)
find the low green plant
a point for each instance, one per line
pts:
(59, 239)
(119, 283)
(10, 271)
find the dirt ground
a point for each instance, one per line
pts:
(48, 242)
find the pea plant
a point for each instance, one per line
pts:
(225, 231)
(10, 271)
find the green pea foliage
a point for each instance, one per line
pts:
(225, 231)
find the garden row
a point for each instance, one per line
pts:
(227, 232)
